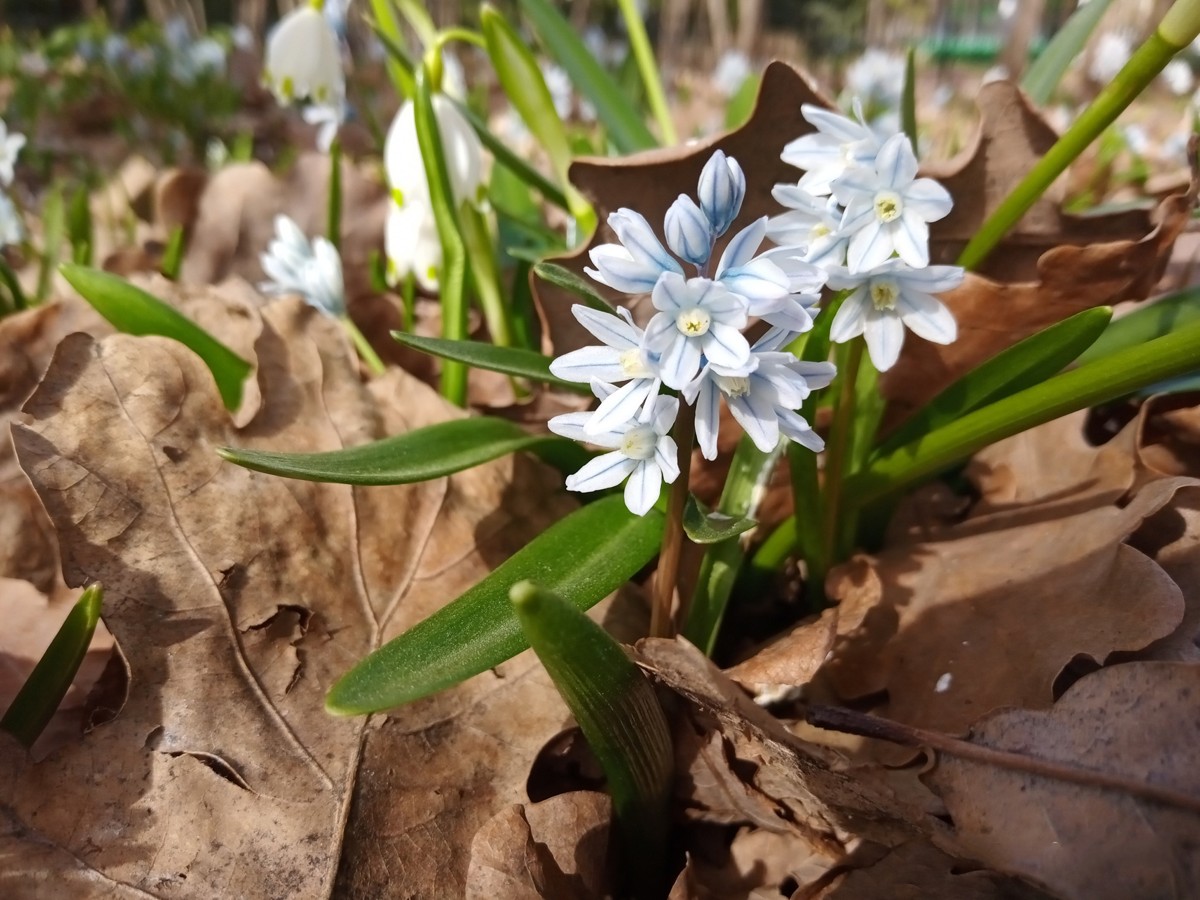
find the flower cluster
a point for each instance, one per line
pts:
(11, 229)
(863, 216)
(694, 343)
(312, 270)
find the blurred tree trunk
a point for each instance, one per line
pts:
(1027, 20)
(671, 29)
(253, 15)
(718, 22)
(749, 25)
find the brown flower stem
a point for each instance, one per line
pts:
(836, 452)
(666, 579)
(848, 721)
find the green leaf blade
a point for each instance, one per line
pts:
(705, 526)
(583, 558)
(1064, 48)
(515, 361)
(418, 455)
(569, 281)
(134, 311)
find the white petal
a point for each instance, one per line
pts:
(927, 318)
(671, 293)
(621, 406)
(666, 456)
(724, 346)
(614, 331)
(757, 418)
(602, 472)
(743, 245)
(643, 487)
(928, 199)
(680, 361)
(910, 235)
(930, 280)
(869, 247)
(896, 162)
(586, 363)
(796, 428)
(885, 337)
(851, 317)
(707, 417)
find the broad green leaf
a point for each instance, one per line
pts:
(620, 716)
(54, 229)
(509, 360)
(400, 66)
(452, 280)
(582, 558)
(79, 227)
(1065, 47)
(418, 455)
(626, 129)
(1151, 321)
(1022, 365)
(569, 281)
(34, 705)
(132, 310)
(1099, 381)
(706, 526)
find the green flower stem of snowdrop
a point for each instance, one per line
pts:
(1179, 27)
(666, 580)
(838, 452)
(363, 346)
(333, 227)
(643, 53)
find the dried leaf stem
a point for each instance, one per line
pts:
(847, 721)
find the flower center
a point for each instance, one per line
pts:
(693, 322)
(633, 364)
(819, 231)
(888, 206)
(735, 386)
(884, 294)
(639, 442)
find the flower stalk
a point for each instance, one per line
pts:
(666, 580)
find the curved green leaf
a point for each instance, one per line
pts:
(569, 281)
(582, 558)
(1047, 71)
(33, 707)
(1151, 321)
(624, 123)
(704, 526)
(509, 360)
(132, 310)
(1022, 365)
(418, 455)
(620, 716)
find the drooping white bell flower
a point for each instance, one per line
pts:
(412, 245)
(303, 59)
(460, 146)
(10, 147)
(312, 270)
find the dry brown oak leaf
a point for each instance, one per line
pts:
(989, 614)
(1049, 267)
(237, 598)
(1137, 721)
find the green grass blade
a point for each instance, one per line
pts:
(133, 311)
(582, 558)
(1100, 381)
(1022, 365)
(1064, 48)
(33, 707)
(418, 455)
(621, 718)
(569, 281)
(626, 129)
(172, 261)
(509, 360)
(908, 98)
(1151, 321)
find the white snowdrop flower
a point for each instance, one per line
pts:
(294, 266)
(412, 245)
(883, 300)
(696, 318)
(888, 208)
(1109, 56)
(877, 78)
(303, 59)
(642, 451)
(454, 77)
(763, 401)
(621, 359)
(733, 68)
(11, 229)
(328, 117)
(460, 145)
(1178, 76)
(837, 143)
(10, 148)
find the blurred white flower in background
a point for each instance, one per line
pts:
(11, 229)
(303, 58)
(1177, 75)
(733, 68)
(1109, 56)
(877, 79)
(10, 148)
(312, 270)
